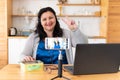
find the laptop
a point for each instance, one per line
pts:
(95, 59)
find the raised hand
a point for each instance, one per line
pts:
(71, 23)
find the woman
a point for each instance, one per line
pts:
(48, 26)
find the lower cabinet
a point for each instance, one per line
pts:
(15, 47)
(95, 41)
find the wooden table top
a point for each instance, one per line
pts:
(13, 72)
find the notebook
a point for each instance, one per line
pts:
(95, 58)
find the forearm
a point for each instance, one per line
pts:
(77, 37)
(28, 48)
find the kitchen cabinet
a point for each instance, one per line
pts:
(15, 47)
(96, 41)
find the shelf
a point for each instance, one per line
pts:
(96, 37)
(97, 14)
(19, 37)
(62, 15)
(78, 4)
(79, 15)
(23, 15)
(19, 15)
(89, 37)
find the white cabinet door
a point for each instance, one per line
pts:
(95, 41)
(15, 47)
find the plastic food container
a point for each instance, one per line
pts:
(31, 66)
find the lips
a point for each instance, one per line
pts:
(50, 24)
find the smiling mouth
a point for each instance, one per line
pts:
(49, 25)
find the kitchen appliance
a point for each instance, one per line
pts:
(13, 31)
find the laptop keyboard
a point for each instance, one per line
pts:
(70, 68)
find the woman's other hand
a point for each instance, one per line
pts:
(28, 58)
(71, 23)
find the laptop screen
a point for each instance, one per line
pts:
(96, 58)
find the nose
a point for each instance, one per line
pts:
(48, 21)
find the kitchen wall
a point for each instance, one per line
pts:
(88, 25)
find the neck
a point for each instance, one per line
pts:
(49, 33)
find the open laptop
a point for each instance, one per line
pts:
(95, 58)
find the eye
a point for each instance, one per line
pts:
(51, 17)
(44, 19)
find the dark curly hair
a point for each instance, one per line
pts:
(39, 28)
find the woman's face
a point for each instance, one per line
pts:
(48, 21)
